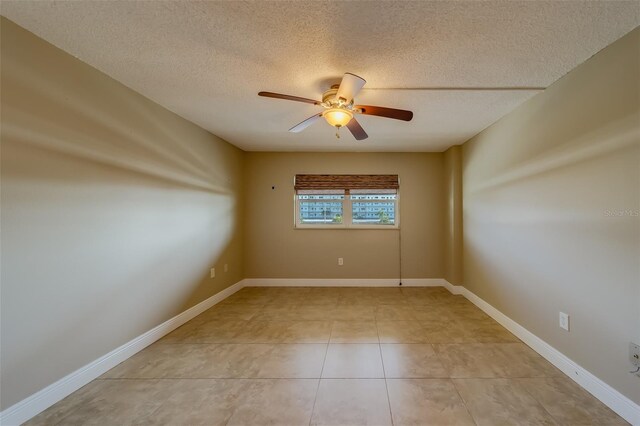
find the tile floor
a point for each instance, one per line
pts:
(334, 356)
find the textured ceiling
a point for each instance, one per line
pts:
(206, 61)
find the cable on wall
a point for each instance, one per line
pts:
(400, 254)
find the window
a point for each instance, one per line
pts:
(320, 207)
(373, 207)
(346, 201)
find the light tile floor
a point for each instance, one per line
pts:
(334, 356)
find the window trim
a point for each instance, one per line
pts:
(347, 216)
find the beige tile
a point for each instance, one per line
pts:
(449, 311)
(463, 330)
(353, 361)
(198, 402)
(500, 402)
(401, 332)
(351, 402)
(284, 332)
(259, 332)
(394, 313)
(354, 332)
(214, 331)
(296, 299)
(275, 402)
(300, 312)
(305, 331)
(230, 361)
(265, 361)
(166, 361)
(256, 359)
(375, 296)
(289, 292)
(54, 414)
(321, 296)
(319, 313)
(120, 402)
(251, 296)
(429, 296)
(292, 361)
(486, 360)
(568, 403)
(411, 361)
(205, 361)
(344, 312)
(278, 313)
(229, 312)
(426, 402)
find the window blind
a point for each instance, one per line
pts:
(345, 182)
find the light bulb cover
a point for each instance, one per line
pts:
(338, 117)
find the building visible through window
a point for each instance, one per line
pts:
(346, 201)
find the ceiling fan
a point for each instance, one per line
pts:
(339, 107)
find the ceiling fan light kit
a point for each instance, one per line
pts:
(339, 107)
(338, 117)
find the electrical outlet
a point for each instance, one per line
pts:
(564, 321)
(213, 272)
(634, 354)
(226, 267)
(340, 261)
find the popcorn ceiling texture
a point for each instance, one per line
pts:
(206, 61)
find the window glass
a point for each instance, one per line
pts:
(320, 209)
(373, 209)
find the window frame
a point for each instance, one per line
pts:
(347, 215)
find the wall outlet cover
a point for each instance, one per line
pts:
(634, 354)
(213, 272)
(226, 267)
(340, 261)
(564, 321)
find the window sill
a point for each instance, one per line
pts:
(343, 227)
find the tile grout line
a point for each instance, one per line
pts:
(313, 407)
(466, 407)
(384, 373)
(536, 399)
(433, 346)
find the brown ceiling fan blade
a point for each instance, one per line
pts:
(288, 97)
(350, 86)
(398, 114)
(306, 123)
(356, 129)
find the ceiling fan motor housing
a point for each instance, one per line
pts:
(330, 95)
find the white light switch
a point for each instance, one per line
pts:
(213, 272)
(564, 321)
(226, 267)
(340, 261)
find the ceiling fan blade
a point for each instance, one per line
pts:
(350, 86)
(356, 129)
(306, 123)
(288, 97)
(398, 114)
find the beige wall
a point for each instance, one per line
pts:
(113, 211)
(274, 249)
(453, 215)
(551, 204)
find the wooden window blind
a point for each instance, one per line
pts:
(345, 182)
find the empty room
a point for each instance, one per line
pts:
(320, 213)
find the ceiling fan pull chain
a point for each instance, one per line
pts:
(338, 132)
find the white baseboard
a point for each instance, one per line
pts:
(343, 282)
(623, 406)
(43, 399)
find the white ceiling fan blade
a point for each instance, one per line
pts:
(306, 123)
(350, 86)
